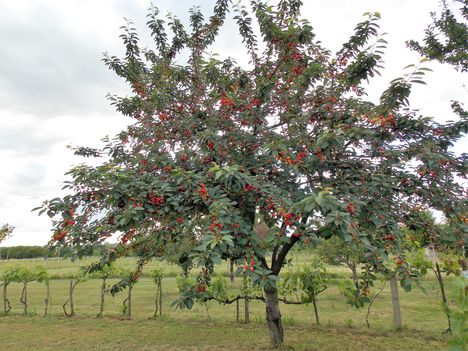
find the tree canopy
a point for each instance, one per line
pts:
(446, 37)
(245, 162)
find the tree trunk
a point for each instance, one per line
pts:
(371, 303)
(395, 302)
(160, 297)
(231, 270)
(103, 289)
(129, 302)
(6, 302)
(273, 316)
(438, 275)
(46, 301)
(24, 298)
(237, 311)
(355, 276)
(246, 311)
(316, 311)
(5, 299)
(156, 302)
(72, 307)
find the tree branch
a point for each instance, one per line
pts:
(260, 298)
(278, 264)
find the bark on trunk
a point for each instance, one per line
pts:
(129, 302)
(371, 303)
(237, 311)
(5, 299)
(47, 299)
(72, 307)
(156, 302)
(438, 274)
(246, 311)
(6, 302)
(160, 297)
(231, 270)
(273, 316)
(395, 302)
(355, 276)
(24, 298)
(316, 312)
(71, 289)
(103, 289)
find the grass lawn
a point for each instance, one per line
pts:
(171, 334)
(342, 327)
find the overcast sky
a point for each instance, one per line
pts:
(53, 83)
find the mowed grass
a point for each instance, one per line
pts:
(342, 327)
(168, 334)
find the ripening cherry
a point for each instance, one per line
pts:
(350, 208)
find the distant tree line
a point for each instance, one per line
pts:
(24, 252)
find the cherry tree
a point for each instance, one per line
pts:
(290, 141)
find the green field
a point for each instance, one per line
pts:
(342, 327)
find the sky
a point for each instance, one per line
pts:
(53, 84)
